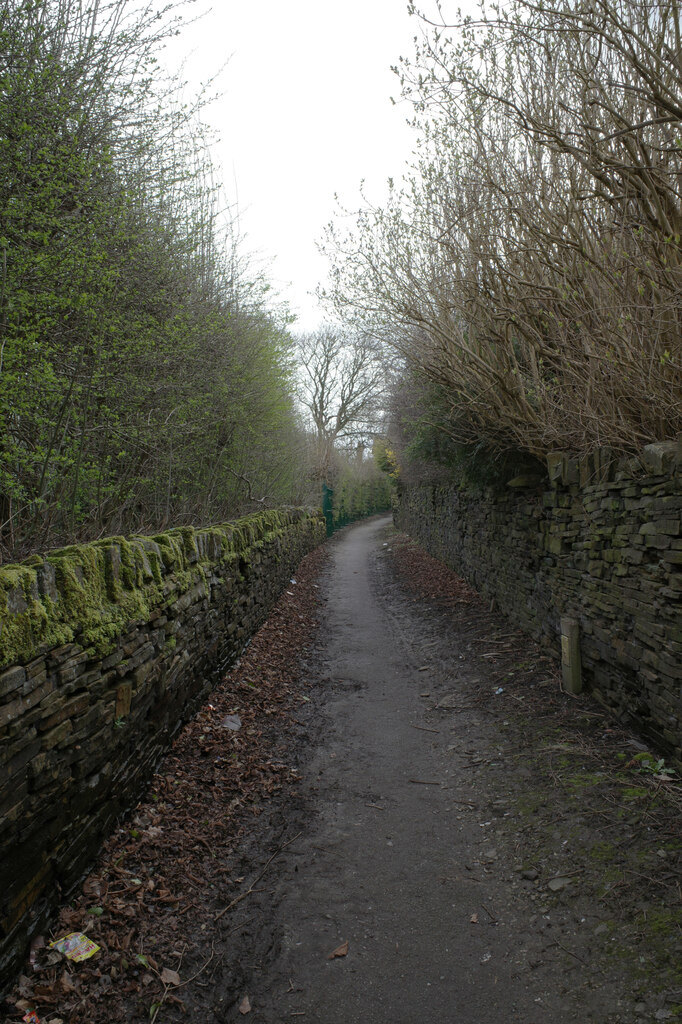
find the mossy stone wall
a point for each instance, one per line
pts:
(597, 539)
(105, 650)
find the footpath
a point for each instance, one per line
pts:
(390, 813)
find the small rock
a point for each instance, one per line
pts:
(557, 884)
(663, 1014)
(529, 873)
(601, 929)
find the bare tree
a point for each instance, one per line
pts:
(341, 383)
(531, 266)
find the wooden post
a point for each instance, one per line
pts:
(570, 655)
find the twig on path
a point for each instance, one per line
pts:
(167, 987)
(200, 971)
(570, 953)
(424, 728)
(490, 914)
(496, 639)
(377, 807)
(258, 877)
(423, 782)
(198, 839)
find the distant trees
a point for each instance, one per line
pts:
(341, 384)
(141, 372)
(341, 387)
(530, 269)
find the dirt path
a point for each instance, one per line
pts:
(417, 787)
(428, 844)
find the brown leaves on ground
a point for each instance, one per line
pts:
(341, 950)
(428, 577)
(484, 633)
(151, 899)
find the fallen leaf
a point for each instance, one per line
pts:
(45, 994)
(232, 722)
(341, 950)
(245, 1005)
(66, 983)
(474, 919)
(169, 977)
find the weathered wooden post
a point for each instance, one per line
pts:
(570, 655)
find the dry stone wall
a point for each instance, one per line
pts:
(105, 650)
(600, 541)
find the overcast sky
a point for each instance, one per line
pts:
(305, 113)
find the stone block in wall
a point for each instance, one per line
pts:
(604, 462)
(524, 480)
(11, 680)
(660, 458)
(672, 527)
(555, 467)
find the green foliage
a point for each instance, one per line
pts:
(424, 430)
(385, 458)
(647, 764)
(359, 490)
(143, 380)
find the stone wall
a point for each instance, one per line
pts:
(105, 650)
(600, 540)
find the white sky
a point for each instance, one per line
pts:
(305, 113)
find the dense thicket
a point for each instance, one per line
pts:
(143, 380)
(530, 269)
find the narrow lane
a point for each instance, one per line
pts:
(390, 860)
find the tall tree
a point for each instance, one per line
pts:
(341, 385)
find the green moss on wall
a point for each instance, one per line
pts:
(90, 593)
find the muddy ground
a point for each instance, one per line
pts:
(412, 822)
